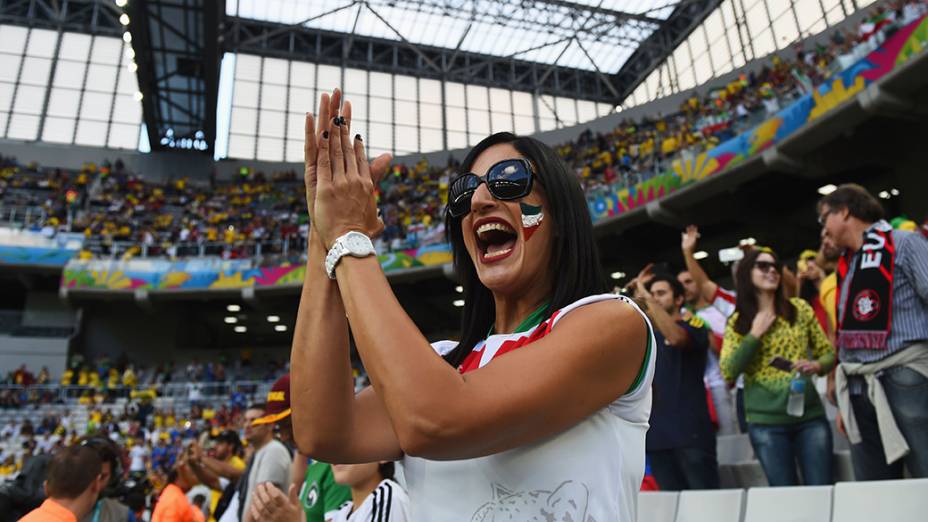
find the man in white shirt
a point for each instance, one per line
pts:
(138, 456)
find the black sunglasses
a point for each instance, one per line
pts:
(507, 180)
(766, 266)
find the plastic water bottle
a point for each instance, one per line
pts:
(796, 405)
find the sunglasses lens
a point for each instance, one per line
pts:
(460, 192)
(509, 180)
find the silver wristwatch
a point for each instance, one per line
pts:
(353, 244)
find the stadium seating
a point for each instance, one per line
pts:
(724, 505)
(658, 506)
(889, 500)
(803, 504)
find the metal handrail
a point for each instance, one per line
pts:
(177, 390)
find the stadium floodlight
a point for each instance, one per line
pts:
(273, 318)
(127, 37)
(459, 289)
(884, 194)
(617, 275)
(240, 329)
(233, 308)
(121, 3)
(827, 189)
(702, 254)
(124, 19)
(458, 303)
(231, 320)
(281, 328)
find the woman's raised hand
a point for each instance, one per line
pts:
(344, 183)
(329, 150)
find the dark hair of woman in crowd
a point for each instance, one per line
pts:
(746, 302)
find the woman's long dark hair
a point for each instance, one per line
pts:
(574, 256)
(746, 302)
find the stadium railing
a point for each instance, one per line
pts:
(205, 391)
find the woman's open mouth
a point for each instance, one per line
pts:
(496, 239)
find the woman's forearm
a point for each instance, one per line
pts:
(408, 376)
(320, 369)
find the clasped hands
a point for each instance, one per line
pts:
(339, 180)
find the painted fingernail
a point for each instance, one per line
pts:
(342, 120)
(358, 137)
(325, 135)
(335, 121)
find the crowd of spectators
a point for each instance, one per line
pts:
(104, 380)
(777, 330)
(259, 214)
(785, 329)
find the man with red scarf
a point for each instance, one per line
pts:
(882, 335)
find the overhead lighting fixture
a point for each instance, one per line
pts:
(233, 308)
(127, 37)
(459, 289)
(231, 320)
(124, 19)
(121, 3)
(748, 241)
(827, 189)
(281, 328)
(130, 53)
(894, 192)
(884, 194)
(458, 303)
(240, 329)
(702, 254)
(138, 96)
(617, 275)
(273, 318)
(133, 67)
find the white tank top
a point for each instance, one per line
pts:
(591, 472)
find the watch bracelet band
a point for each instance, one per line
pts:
(339, 250)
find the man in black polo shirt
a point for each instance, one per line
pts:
(681, 442)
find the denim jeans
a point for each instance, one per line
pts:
(685, 468)
(907, 393)
(780, 446)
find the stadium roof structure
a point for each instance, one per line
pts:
(595, 50)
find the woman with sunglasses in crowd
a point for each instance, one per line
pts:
(778, 344)
(540, 410)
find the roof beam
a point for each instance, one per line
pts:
(618, 15)
(244, 35)
(652, 52)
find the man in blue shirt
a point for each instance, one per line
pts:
(681, 442)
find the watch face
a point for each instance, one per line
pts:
(357, 244)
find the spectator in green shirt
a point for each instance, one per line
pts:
(767, 325)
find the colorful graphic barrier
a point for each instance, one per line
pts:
(52, 257)
(199, 274)
(203, 274)
(896, 50)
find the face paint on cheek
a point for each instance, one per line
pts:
(531, 219)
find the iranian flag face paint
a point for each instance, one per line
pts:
(531, 219)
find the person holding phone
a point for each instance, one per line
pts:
(777, 343)
(541, 407)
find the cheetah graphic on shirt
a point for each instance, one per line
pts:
(567, 503)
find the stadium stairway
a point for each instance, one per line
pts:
(891, 500)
